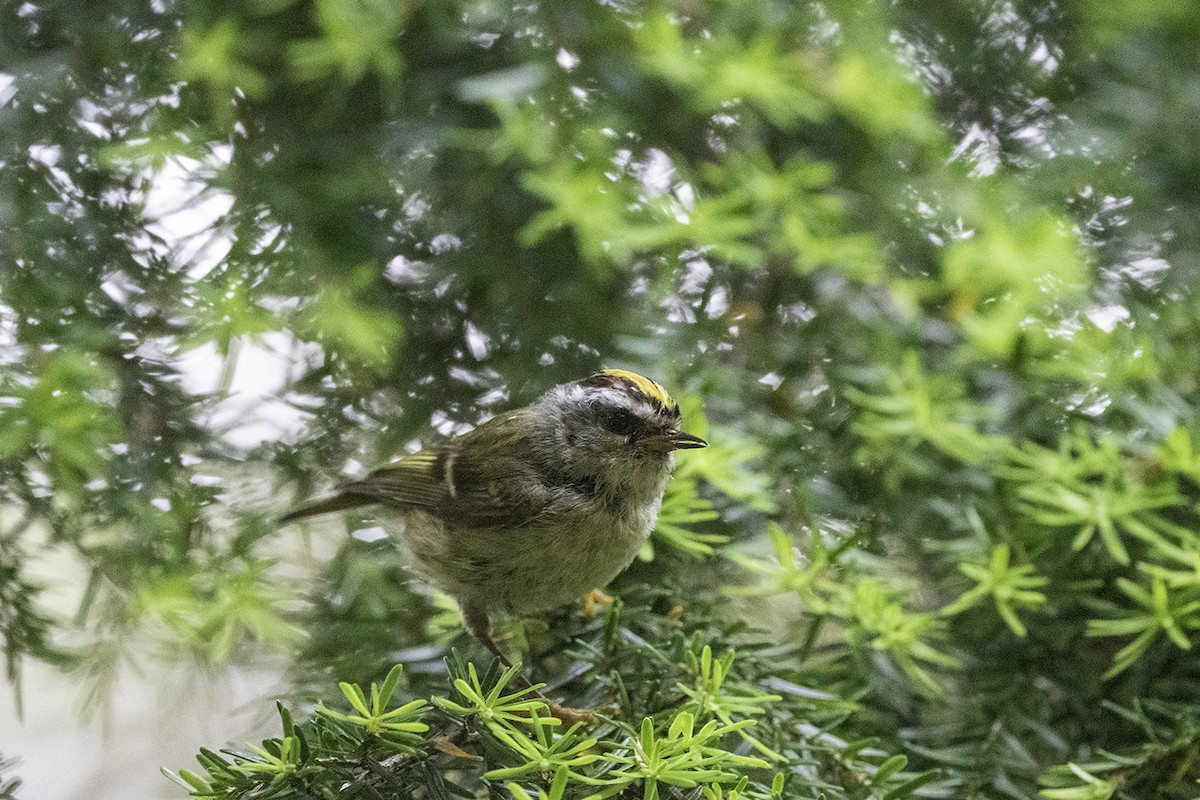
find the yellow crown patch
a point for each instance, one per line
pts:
(649, 388)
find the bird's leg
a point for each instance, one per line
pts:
(479, 625)
(481, 628)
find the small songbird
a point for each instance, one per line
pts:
(537, 506)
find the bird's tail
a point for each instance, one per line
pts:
(338, 502)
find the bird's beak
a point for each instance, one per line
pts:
(666, 442)
(685, 441)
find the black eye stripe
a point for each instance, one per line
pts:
(618, 420)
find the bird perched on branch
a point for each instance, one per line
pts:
(538, 506)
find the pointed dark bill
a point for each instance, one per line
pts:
(666, 442)
(686, 441)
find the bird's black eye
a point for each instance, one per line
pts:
(618, 420)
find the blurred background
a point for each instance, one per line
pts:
(923, 273)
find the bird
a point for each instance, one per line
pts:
(536, 507)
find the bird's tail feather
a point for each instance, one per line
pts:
(337, 502)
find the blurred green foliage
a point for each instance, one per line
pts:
(922, 272)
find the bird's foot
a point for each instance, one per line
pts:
(593, 600)
(588, 717)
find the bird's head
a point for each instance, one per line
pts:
(616, 426)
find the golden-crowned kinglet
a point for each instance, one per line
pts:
(537, 506)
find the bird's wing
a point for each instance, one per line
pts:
(410, 481)
(483, 479)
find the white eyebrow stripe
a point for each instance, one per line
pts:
(615, 397)
(449, 469)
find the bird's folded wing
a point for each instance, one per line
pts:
(470, 490)
(411, 481)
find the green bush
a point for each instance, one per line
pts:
(922, 274)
